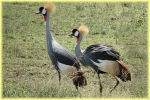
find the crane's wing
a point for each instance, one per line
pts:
(64, 56)
(101, 52)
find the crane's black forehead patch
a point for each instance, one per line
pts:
(74, 30)
(41, 8)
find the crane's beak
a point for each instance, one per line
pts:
(38, 12)
(70, 35)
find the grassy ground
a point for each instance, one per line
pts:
(27, 70)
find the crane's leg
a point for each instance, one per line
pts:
(100, 85)
(115, 85)
(79, 94)
(59, 76)
(77, 88)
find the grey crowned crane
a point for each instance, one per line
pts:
(63, 60)
(102, 58)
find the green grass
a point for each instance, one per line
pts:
(27, 70)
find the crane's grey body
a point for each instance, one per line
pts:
(88, 57)
(63, 60)
(57, 53)
(100, 58)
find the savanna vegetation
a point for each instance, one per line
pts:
(27, 70)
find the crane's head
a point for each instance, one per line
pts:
(42, 11)
(75, 33)
(81, 31)
(48, 8)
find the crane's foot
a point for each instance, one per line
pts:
(79, 94)
(100, 91)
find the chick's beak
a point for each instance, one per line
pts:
(70, 35)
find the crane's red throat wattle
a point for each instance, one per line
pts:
(77, 40)
(45, 18)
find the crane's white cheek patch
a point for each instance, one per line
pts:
(43, 11)
(76, 33)
(111, 67)
(67, 70)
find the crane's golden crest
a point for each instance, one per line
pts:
(83, 29)
(50, 7)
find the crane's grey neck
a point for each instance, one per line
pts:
(49, 37)
(77, 48)
(48, 34)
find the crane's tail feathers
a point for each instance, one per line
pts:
(79, 80)
(83, 29)
(50, 7)
(125, 74)
(122, 64)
